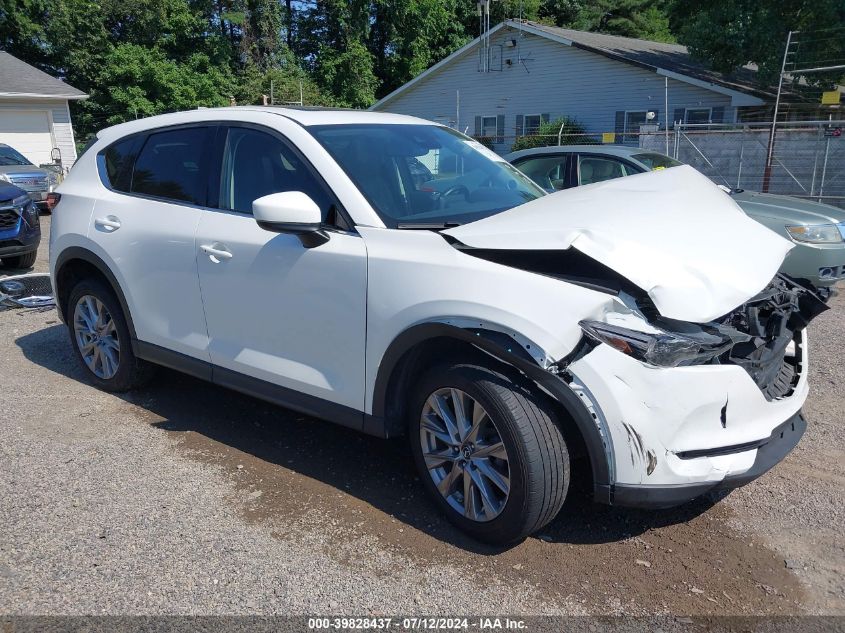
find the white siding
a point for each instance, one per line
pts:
(553, 78)
(58, 114)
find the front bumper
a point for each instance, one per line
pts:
(675, 433)
(19, 241)
(772, 451)
(823, 265)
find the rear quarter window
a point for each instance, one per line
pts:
(116, 162)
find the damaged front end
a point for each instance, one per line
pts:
(763, 336)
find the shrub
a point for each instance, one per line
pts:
(573, 133)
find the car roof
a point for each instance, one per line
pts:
(306, 116)
(613, 150)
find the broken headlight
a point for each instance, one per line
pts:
(660, 348)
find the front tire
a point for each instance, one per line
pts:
(27, 260)
(101, 340)
(489, 451)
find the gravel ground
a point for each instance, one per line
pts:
(184, 498)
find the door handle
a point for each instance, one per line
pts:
(109, 224)
(216, 252)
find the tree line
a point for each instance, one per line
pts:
(137, 58)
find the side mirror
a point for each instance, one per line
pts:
(291, 212)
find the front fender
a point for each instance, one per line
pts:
(515, 351)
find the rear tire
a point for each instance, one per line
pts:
(517, 465)
(27, 260)
(100, 337)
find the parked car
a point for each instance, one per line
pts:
(817, 230)
(16, 169)
(20, 228)
(642, 345)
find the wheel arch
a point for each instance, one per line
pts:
(76, 263)
(416, 348)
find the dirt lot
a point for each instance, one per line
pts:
(186, 498)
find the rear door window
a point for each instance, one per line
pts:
(547, 171)
(592, 169)
(171, 166)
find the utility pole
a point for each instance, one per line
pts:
(767, 172)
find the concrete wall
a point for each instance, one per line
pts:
(737, 158)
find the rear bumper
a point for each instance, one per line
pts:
(781, 442)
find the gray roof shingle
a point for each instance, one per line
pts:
(671, 57)
(18, 77)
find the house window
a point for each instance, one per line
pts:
(634, 119)
(697, 115)
(531, 123)
(488, 126)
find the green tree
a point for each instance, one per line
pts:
(642, 19)
(408, 36)
(732, 33)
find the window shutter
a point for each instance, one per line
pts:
(520, 125)
(500, 128)
(478, 126)
(680, 115)
(620, 123)
(717, 115)
(546, 117)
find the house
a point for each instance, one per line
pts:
(34, 113)
(532, 72)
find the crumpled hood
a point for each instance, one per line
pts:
(671, 232)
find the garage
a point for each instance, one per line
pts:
(29, 132)
(34, 112)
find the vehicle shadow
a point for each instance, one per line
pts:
(378, 472)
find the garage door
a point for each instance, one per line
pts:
(28, 132)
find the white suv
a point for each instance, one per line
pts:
(394, 276)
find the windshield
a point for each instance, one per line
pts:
(421, 175)
(653, 160)
(8, 156)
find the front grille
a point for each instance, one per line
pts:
(772, 323)
(30, 182)
(8, 220)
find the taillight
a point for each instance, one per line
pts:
(52, 200)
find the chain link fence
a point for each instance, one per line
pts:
(808, 159)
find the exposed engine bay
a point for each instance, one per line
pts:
(763, 335)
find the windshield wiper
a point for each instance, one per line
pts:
(431, 226)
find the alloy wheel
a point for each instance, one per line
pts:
(464, 454)
(96, 337)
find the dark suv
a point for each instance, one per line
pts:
(20, 229)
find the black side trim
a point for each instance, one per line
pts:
(504, 348)
(77, 252)
(771, 452)
(255, 387)
(174, 360)
(288, 398)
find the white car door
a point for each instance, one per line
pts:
(292, 317)
(146, 223)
